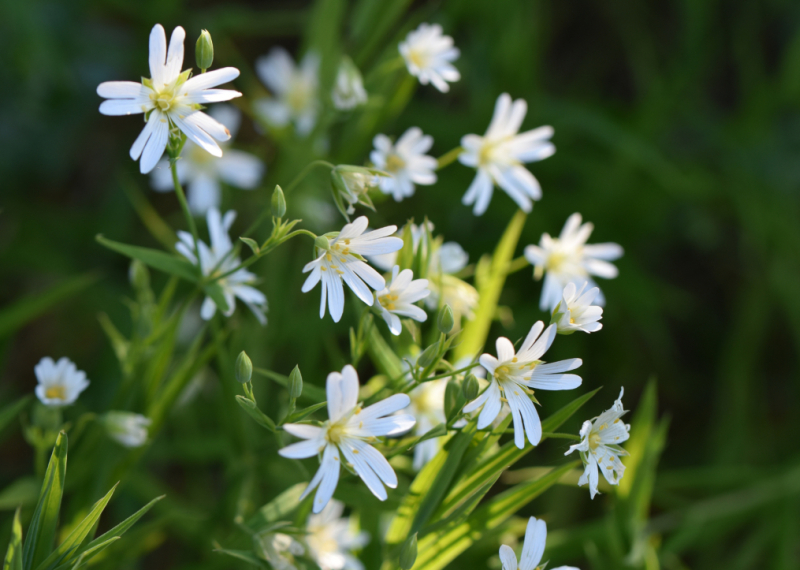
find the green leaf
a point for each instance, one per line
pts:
(252, 410)
(67, 551)
(10, 412)
(305, 412)
(88, 554)
(214, 290)
(13, 560)
(246, 555)
(278, 508)
(156, 259)
(310, 392)
(42, 528)
(475, 331)
(21, 493)
(252, 244)
(383, 356)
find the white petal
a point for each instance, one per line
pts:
(507, 558)
(533, 547)
(303, 430)
(158, 54)
(330, 478)
(505, 349)
(342, 391)
(302, 449)
(211, 79)
(492, 406)
(155, 146)
(362, 468)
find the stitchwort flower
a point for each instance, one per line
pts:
(405, 162)
(170, 100)
(532, 549)
(429, 54)
(330, 539)
(398, 297)
(295, 90)
(346, 432)
(576, 312)
(348, 92)
(60, 383)
(126, 428)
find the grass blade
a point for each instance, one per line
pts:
(13, 560)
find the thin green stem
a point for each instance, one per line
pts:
(517, 264)
(561, 436)
(303, 173)
(448, 158)
(173, 166)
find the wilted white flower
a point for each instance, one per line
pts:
(217, 260)
(348, 92)
(405, 162)
(347, 431)
(575, 312)
(513, 375)
(202, 173)
(499, 156)
(60, 383)
(429, 55)
(532, 549)
(170, 99)
(294, 89)
(279, 550)
(600, 446)
(398, 297)
(342, 261)
(568, 259)
(126, 428)
(331, 539)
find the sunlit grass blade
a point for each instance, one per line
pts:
(13, 559)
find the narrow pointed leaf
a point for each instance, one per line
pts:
(156, 259)
(13, 560)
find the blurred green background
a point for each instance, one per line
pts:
(677, 127)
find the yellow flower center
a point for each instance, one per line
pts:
(56, 392)
(164, 98)
(594, 440)
(387, 301)
(394, 163)
(418, 58)
(335, 433)
(298, 97)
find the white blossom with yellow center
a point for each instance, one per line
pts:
(405, 162)
(295, 90)
(576, 312)
(60, 383)
(347, 432)
(532, 549)
(398, 297)
(170, 99)
(429, 54)
(514, 375)
(568, 259)
(330, 538)
(600, 446)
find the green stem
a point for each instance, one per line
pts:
(448, 158)
(517, 264)
(304, 173)
(561, 436)
(173, 166)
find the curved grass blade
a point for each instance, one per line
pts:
(13, 560)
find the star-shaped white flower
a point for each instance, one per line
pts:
(568, 259)
(126, 428)
(295, 90)
(575, 312)
(60, 383)
(532, 549)
(170, 99)
(514, 374)
(499, 156)
(217, 260)
(429, 55)
(398, 297)
(346, 432)
(600, 446)
(348, 92)
(343, 261)
(202, 173)
(330, 539)
(405, 162)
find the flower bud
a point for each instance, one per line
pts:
(278, 202)
(408, 552)
(244, 368)
(139, 275)
(451, 404)
(295, 383)
(126, 428)
(204, 51)
(428, 355)
(470, 387)
(446, 321)
(322, 243)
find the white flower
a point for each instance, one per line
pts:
(532, 549)
(429, 56)
(575, 312)
(351, 184)
(294, 89)
(348, 92)
(347, 431)
(600, 446)
(342, 261)
(60, 383)
(202, 173)
(217, 260)
(126, 428)
(568, 259)
(512, 375)
(499, 156)
(330, 539)
(170, 99)
(398, 297)
(279, 550)
(405, 162)
(427, 406)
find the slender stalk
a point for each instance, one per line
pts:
(173, 166)
(561, 436)
(517, 264)
(303, 173)
(448, 157)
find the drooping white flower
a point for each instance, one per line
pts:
(600, 446)
(499, 156)
(575, 312)
(202, 173)
(330, 538)
(170, 99)
(218, 260)
(429, 55)
(405, 162)
(348, 92)
(342, 261)
(532, 549)
(427, 406)
(126, 428)
(351, 186)
(569, 259)
(346, 432)
(398, 297)
(60, 383)
(514, 374)
(295, 90)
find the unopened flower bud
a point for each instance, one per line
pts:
(139, 275)
(446, 321)
(408, 552)
(322, 243)
(295, 383)
(204, 51)
(428, 355)
(451, 404)
(244, 368)
(278, 202)
(470, 387)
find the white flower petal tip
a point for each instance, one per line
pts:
(429, 56)
(499, 156)
(345, 435)
(60, 382)
(532, 549)
(405, 162)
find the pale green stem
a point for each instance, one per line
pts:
(517, 264)
(448, 158)
(173, 162)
